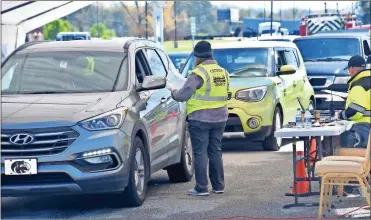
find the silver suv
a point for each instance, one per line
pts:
(91, 117)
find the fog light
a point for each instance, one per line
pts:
(253, 123)
(99, 159)
(96, 153)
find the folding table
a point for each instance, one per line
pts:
(305, 133)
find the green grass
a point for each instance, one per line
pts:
(185, 45)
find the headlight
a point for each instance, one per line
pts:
(341, 80)
(109, 120)
(252, 95)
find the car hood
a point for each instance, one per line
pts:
(326, 68)
(54, 110)
(249, 82)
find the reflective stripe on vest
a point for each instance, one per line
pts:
(367, 113)
(207, 96)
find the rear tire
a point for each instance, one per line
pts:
(184, 170)
(136, 191)
(272, 143)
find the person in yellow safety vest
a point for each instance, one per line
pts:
(206, 93)
(357, 109)
(358, 104)
(89, 70)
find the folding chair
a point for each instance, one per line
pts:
(339, 173)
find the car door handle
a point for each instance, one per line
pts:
(163, 99)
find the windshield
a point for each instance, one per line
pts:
(178, 60)
(268, 31)
(336, 49)
(239, 62)
(63, 72)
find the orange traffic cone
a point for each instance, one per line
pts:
(302, 186)
(312, 150)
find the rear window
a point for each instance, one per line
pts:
(64, 72)
(328, 48)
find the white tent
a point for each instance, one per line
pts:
(20, 17)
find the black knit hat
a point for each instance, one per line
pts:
(202, 49)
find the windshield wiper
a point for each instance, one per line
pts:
(331, 59)
(310, 60)
(43, 92)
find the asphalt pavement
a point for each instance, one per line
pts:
(256, 182)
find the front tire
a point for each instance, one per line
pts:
(273, 143)
(136, 191)
(184, 170)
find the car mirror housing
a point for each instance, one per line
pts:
(153, 82)
(286, 70)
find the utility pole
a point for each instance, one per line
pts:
(175, 37)
(264, 11)
(97, 19)
(280, 11)
(146, 8)
(293, 11)
(271, 17)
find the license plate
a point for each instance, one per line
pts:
(20, 167)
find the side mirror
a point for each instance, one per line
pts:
(286, 70)
(152, 82)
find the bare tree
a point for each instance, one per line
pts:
(138, 17)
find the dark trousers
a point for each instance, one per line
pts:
(206, 141)
(356, 137)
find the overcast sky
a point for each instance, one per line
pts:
(313, 5)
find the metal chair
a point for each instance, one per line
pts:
(340, 173)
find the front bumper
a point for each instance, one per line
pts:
(61, 174)
(241, 112)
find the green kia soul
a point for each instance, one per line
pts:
(266, 78)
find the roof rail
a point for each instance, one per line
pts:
(25, 45)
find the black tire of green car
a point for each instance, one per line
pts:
(270, 142)
(178, 172)
(131, 197)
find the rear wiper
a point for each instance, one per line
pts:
(332, 59)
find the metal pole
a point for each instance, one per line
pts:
(271, 17)
(146, 20)
(264, 11)
(175, 37)
(97, 20)
(325, 7)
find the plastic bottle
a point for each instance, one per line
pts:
(307, 119)
(298, 121)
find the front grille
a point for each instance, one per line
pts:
(318, 81)
(233, 124)
(41, 178)
(45, 141)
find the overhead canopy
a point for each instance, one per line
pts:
(20, 17)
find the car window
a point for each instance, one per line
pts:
(65, 72)
(164, 58)
(8, 75)
(280, 59)
(366, 48)
(155, 63)
(323, 48)
(290, 58)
